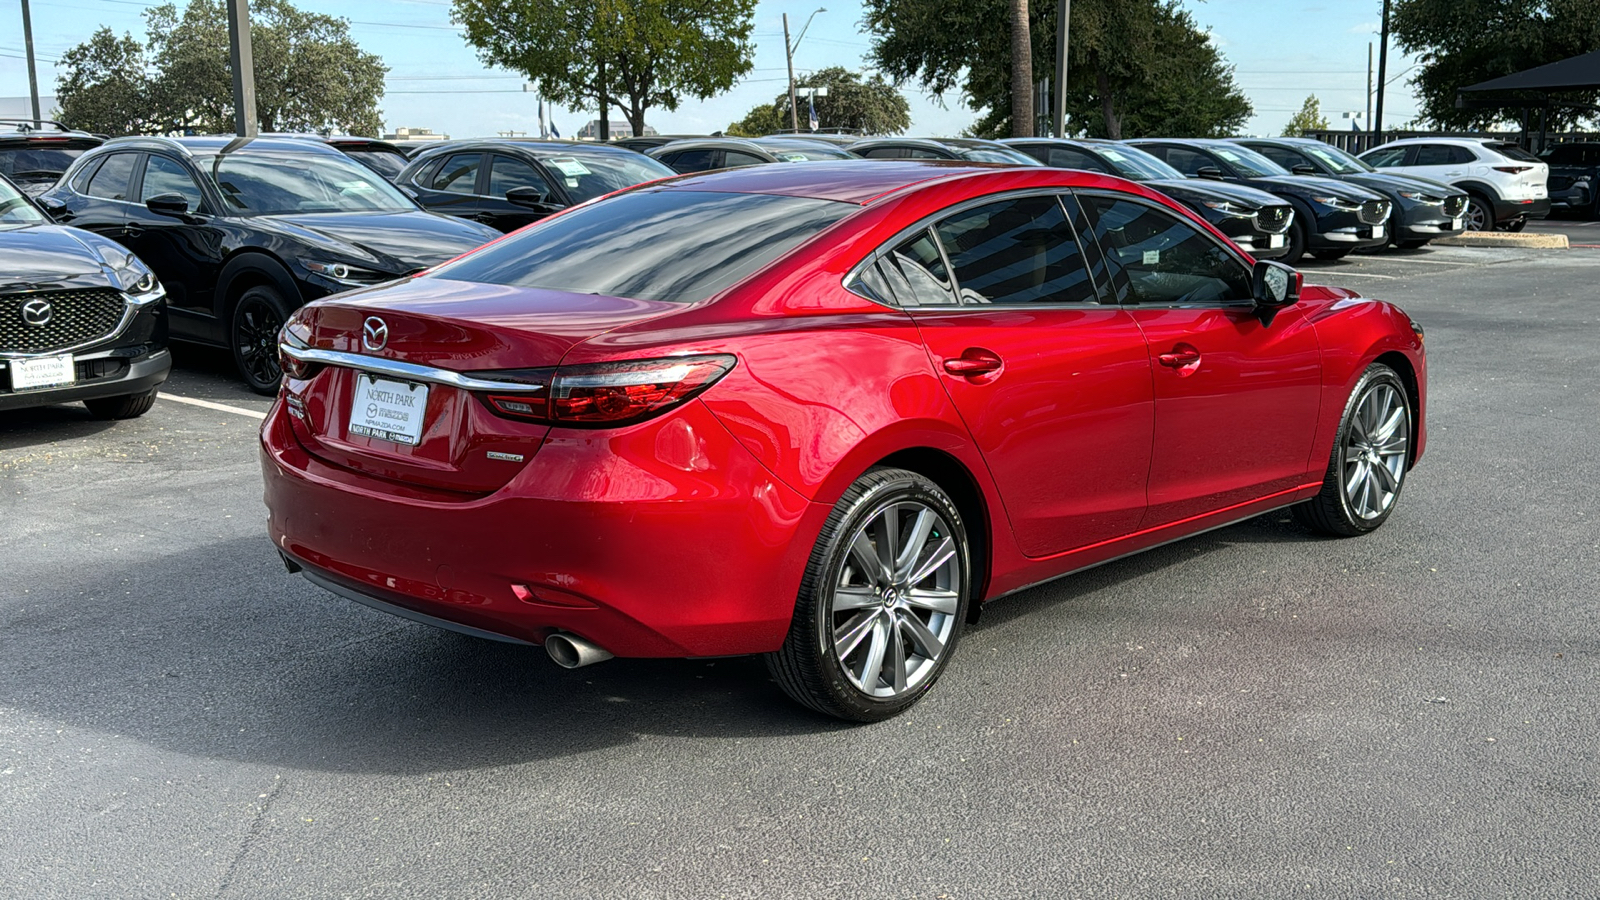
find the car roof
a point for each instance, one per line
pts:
(1459, 141)
(219, 143)
(924, 143)
(537, 146)
(862, 181)
(719, 143)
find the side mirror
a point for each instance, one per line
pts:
(531, 198)
(1274, 286)
(1303, 169)
(175, 205)
(1211, 172)
(55, 206)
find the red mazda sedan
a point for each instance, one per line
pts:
(820, 413)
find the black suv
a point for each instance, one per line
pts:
(704, 154)
(1255, 220)
(80, 317)
(967, 149)
(34, 158)
(1331, 218)
(241, 231)
(512, 182)
(1424, 209)
(1574, 177)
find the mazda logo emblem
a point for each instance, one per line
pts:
(37, 313)
(374, 333)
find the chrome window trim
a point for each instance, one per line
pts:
(405, 370)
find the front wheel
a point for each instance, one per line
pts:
(1480, 215)
(1331, 255)
(257, 318)
(882, 602)
(1297, 243)
(127, 406)
(1371, 456)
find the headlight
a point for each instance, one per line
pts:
(343, 273)
(1420, 197)
(132, 275)
(1335, 202)
(1227, 206)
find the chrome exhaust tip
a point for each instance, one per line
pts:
(571, 652)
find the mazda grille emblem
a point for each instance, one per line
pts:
(374, 333)
(37, 313)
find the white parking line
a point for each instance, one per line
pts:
(1333, 274)
(219, 407)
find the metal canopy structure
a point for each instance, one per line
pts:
(1576, 73)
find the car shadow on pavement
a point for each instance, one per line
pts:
(219, 653)
(43, 425)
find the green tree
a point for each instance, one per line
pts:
(870, 106)
(639, 54)
(309, 74)
(1136, 67)
(1309, 118)
(1463, 43)
(106, 86)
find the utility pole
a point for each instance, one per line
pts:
(1063, 29)
(33, 75)
(244, 69)
(1369, 83)
(1383, 68)
(788, 54)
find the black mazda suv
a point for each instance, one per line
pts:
(81, 318)
(242, 231)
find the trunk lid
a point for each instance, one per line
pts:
(442, 435)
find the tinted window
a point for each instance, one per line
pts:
(1442, 155)
(15, 208)
(1249, 163)
(459, 174)
(30, 163)
(259, 182)
(385, 162)
(1016, 251)
(691, 160)
(1282, 156)
(588, 174)
(679, 246)
(733, 159)
(1074, 159)
(1390, 156)
(1136, 165)
(1512, 151)
(1187, 161)
(886, 153)
(506, 172)
(80, 181)
(111, 182)
(916, 273)
(1163, 259)
(167, 176)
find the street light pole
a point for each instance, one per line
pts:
(788, 54)
(244, 69)
(1383, 67)
(33, 76)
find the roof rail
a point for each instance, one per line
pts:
(26, 126)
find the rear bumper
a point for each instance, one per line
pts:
(132, 375)
(1509, 210)
(664, 539)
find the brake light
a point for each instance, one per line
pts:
(295, 335)
(609, 394)
(1512, 170)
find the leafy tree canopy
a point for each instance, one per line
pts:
(1309, 118)
(1463, 42)
(639, 54)
(309, 74)
(870, 106)
(1135, 68)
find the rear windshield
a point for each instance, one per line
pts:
(387, 163)
(1573, 154)
(36, 161)
(678, 246)
(1512, 151)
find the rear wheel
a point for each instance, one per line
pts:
(1516, 225)
(1480, 215)
(882, 602)
(1370, 459)
(257, 318)
(128, 406)
(1331, 255)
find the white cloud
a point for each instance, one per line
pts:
(1365, 28)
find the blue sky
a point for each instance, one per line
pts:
(1282, 52)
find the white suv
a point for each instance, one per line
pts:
(1505, 183)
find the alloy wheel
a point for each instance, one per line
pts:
(894, 606)
(1375, 452)
(1478, 216)
(255, 337)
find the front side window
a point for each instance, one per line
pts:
(167, 176)
(1187, 161)
(1016, 251)
(1389, 156)
(507, 172)
(678, 246)
(733, 159)
(1063, 158)
(459, 174)
(112, 180)
(1441, 155)
(1164, 261)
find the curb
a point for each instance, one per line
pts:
(1505, 239)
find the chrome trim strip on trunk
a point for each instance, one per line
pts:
(408, 371)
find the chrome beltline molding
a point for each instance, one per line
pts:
(409, 371)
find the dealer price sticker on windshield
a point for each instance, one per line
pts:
(388, 410)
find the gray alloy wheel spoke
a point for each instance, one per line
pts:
(855, 597)
(927, 643)
(935, 558)
(888, 529)
(866, 559)
(936, 600)
(872, 665)
(1389, 482)
(847, 637)
(1358, 482)
(897, 659)
(921, 527)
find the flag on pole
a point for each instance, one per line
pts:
(554, 131)
(812, 99)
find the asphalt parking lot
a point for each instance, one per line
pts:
(1255, 712)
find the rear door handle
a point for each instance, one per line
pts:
(973, 363)
(1179, 357)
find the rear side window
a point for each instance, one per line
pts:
(1016, 251)
(1074, 159)
(1390, 156)
(912, 274)
(691, 160)
(1442, 155)
(677, 246)
(111, 182)
(1512, 151)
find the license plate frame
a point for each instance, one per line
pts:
(1274, 241)
(1456, 223)
(387, 409)
(41, 373)
(1379, 232)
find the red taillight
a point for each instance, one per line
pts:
(608, 394)
(1512, 170)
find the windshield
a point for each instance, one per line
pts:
(1136, 165)
(37, 162)
(589, 174)
(15, 208)
(1337, 161)
(788, 151)
(1249, 163)
(387, 163)
(998, 155)
(678, 246)
(264, 184)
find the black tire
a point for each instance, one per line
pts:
(1515, 225)
(1480, 215)
(1331, 255)
(1297, 243)
(253, 335)
(1334, 511)
(810, 666)
(127, 406)
(1412, 245)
